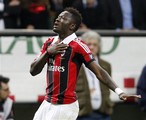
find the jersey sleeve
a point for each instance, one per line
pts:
(86, 55)
(44, 48)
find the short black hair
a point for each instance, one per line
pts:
(76, 15)
(4, 80)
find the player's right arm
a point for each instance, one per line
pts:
(46, 51)
(37, 66)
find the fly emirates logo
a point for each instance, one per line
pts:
(56, 68)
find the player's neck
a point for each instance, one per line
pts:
(63, 36)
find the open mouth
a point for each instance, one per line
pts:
(55, 25)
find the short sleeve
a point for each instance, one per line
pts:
(84, 51)
(44, 48)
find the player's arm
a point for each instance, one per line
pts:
(104, 77)
(37, 66)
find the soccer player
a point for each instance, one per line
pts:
(64, 55)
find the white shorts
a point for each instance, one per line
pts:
(49, 111)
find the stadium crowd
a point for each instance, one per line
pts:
(97, 14)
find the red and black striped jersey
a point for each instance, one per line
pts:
(63, 69)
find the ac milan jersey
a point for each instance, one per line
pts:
(63, 69)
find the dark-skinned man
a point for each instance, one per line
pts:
(64, 55)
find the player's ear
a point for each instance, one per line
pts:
(72, 27)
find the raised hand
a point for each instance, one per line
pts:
(124, 96)
(56, 49)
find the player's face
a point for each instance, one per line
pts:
(4, 91)
(94, 46)
(63, 23)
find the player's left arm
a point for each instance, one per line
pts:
(105, 78)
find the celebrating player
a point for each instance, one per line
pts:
(64, 54)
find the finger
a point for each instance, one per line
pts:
(60, 52)
(134, 96)
(62, 45)
(123, 98)
(61, 49)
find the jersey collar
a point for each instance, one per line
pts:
(68, 39)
